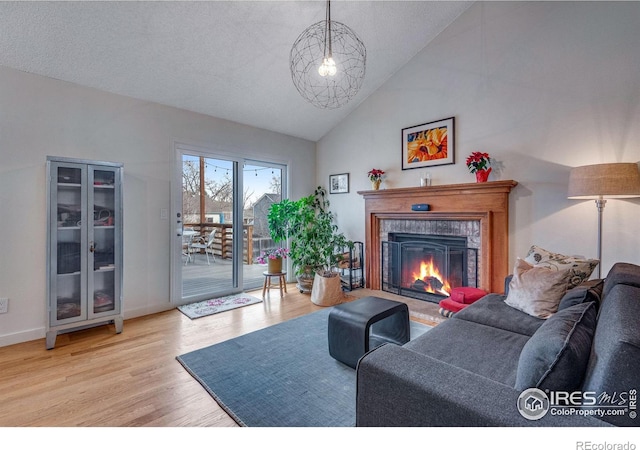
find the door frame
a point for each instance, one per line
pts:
(179, 149)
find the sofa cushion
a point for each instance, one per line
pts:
(615, 354)
(580, 268)
(491, 310)
(536, 290)
(556, 356)
(589, 291)
(621, 273)
(465, 345)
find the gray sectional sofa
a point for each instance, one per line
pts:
(473, 369)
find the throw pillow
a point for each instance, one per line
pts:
(589, 291)
(536, 290)
(466, 295)
(580, 268)
(557, 354)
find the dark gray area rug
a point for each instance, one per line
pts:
(280, 376)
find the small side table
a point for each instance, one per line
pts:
(282, 282)
(361, 325)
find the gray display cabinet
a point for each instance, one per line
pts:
(84, 245)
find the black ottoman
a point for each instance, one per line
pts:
(364, 324)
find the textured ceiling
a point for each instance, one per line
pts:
(227, 59)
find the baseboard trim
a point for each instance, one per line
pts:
(23, 336)
(40, 333)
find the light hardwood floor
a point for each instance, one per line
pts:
(96, 378)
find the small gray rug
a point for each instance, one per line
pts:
(281, 376)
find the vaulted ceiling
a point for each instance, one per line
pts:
(227, 59)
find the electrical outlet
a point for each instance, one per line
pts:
(4, 305)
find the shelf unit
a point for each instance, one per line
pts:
(352, 267)
(84, 245)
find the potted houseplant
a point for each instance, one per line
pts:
(315, 242)
(273, 259)
(480, 164)
(319, 238)
(280, 221)
(375, 176)
(285, 219)
(304, 252)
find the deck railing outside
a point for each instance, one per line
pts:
(223, 240)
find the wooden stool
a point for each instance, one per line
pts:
(282, 282)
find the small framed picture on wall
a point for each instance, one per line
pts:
(429, 144)
(339, 183)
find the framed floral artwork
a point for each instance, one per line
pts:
(339, 184)
(429, 144)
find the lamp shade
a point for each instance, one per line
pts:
(614, 180)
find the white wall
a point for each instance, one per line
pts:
(40, 116)
(542, 87)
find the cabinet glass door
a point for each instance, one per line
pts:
(103, 212)
(68, 284)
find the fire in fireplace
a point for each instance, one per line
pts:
(428, 278)
(427, 267)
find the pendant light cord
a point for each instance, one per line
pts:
(327, 32)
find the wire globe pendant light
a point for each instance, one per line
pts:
(328, 63)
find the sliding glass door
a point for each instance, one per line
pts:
(220, 218)
(263, 184)
(208, 227)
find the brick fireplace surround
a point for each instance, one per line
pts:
(484, 203)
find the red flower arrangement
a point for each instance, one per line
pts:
(375, 174)
(478, 161)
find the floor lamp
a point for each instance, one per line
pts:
(602, 181)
